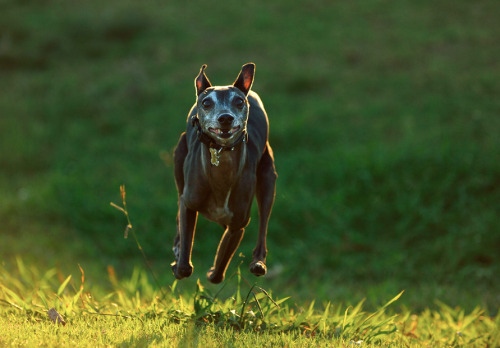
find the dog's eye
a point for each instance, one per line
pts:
(207, 103)
(238, 102)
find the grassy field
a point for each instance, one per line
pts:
(135, 314)
(384, 123)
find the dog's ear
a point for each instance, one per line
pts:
(201, 82)
(245, 78)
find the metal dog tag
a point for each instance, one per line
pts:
(214, 158)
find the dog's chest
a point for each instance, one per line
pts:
(221, 180)
(222, 169)
(219, 211)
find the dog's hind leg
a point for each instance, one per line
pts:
(265, 192)
(227, 247)
(180, 153)
(177, 241)
(186, 218)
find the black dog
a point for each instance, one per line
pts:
(221, 161)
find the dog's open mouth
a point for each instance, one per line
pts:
(224, 133)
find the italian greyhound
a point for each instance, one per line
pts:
(221, 161)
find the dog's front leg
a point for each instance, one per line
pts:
(265, 192)
(183, 267)
(227, 247)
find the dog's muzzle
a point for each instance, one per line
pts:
(224, 133)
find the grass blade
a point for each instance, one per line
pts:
(63, 286)
(393, 300)
(14, 297)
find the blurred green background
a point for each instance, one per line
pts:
(384, 122)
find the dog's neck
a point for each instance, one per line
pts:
(229, 168)
(224, 160)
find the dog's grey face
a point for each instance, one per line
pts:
(223, 113)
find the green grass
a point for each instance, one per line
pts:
(384, 123)
(135, 313)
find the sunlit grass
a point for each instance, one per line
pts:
(137, 313)
(390, 113)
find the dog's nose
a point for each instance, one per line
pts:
(225, 120)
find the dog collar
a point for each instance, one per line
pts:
(215, 148)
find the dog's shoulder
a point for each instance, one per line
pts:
(257, 112)
(191, 135)
(255, 101)
(258, 123)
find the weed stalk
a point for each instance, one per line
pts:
(128, 229)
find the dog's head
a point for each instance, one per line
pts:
(223, 111)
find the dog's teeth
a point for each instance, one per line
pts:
(218, 131)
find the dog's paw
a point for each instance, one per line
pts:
(181, 271)
(258, 268)
(213, 277)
